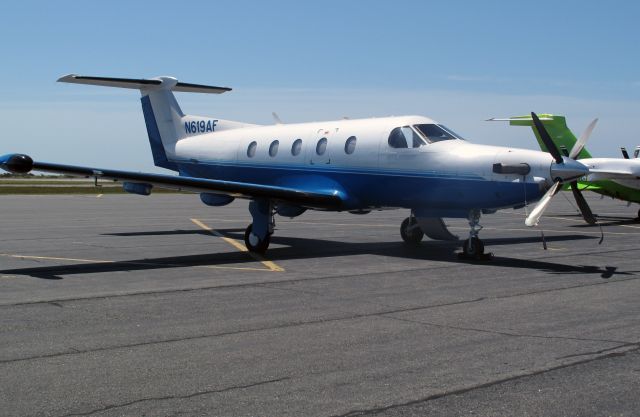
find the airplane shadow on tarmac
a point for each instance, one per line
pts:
(303, 248)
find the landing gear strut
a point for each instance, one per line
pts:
(258, 234)
(410, 231)
(473, 248)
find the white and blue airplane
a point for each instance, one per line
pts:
(409, 162)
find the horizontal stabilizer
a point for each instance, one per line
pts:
(158, 83)
(517, 118)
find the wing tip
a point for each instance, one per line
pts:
(67, 78)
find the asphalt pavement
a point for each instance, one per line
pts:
(129, 305)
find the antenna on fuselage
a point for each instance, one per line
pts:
(276, 118)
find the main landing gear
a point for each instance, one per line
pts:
(473, 248)
(258, 234)
(410, 230)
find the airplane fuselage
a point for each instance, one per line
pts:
(446, 178)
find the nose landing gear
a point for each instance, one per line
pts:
(473, 248)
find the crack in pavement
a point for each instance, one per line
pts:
(178, 397)
(236, 332)
(622, 343)
(268, 283)
(377, 410)
(384, 314)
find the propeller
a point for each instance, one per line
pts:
(582, 140)
(564, 169)
(625, 154)
(636, 152)
(582, 204)
(533, 217)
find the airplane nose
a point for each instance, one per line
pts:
(568, 170)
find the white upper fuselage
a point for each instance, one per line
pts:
(372, 150)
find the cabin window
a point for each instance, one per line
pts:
(273, 148)
(402, 137)
(321, 147)
(350, 145)
(251, 150)
(436, 133)
(296, 147)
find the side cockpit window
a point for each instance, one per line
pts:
(436, 133)
(404, 137)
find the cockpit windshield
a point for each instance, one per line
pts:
(436, 133)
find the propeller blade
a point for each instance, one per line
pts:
(625, 155)
(579, 145)
(533, 218)
(582, 204)
(546, 139)
(636, 152)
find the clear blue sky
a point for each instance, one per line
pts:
(458, 60)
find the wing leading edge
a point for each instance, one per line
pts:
(19, 163)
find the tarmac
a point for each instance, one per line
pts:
(128, 305)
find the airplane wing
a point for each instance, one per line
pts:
(19, 163)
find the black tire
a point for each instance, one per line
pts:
(259, 247)
(415, 235)
(473, 248)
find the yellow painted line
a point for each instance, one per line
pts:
(51, 258)
(242, 248)
(99, 195)
(101, 261)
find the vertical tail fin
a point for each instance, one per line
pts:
(556, 125)
(165, 121)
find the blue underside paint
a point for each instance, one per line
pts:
(157, 150)
(439, 195)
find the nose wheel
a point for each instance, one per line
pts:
(410, 231)
(473, 248)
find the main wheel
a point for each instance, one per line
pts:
(473, 248)
(410, 231)
(254, 243)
